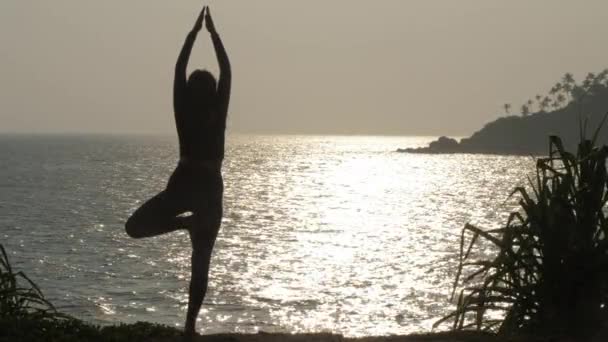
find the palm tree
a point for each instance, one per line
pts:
(538, 98)
(603, 77)
(529, 104)
(589, 81)
(546, 101)
(525, 110)
(507, 107)
(561, 99)
(568, 78)
(556, 88)
(568, 83)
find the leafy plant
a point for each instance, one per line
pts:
(74, 330)
(550, 273)
(17, 299)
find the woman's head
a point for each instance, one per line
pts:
(202, 88)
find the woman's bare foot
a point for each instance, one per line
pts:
(185, 221)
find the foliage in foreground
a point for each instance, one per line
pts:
(73, 330)
(19, 296)
(550, 274)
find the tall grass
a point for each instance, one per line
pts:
(19, 295)
(550, 272)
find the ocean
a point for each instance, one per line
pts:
(320, 233)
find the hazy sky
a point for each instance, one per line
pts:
(338, 66)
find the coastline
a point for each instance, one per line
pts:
(67, 329)
(30, 328)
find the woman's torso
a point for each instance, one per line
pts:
(201, 134)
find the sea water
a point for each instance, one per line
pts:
(320, 233)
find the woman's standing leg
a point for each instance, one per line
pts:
(203, 237)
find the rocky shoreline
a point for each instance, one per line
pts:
(447, 145)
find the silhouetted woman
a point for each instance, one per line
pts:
(196, 185)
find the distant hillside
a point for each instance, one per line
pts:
(528, 134)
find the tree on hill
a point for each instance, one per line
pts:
(568, 91)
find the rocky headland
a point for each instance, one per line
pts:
(528, 135)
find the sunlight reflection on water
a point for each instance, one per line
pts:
(320, 233)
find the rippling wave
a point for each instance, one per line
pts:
(320, 233)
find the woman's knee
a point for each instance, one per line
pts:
(133, 228)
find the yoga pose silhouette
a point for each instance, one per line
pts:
(196, 185)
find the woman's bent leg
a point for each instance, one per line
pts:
(203, 237)
(157, 216)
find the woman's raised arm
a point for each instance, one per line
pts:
(225, 80)
(179, 80)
